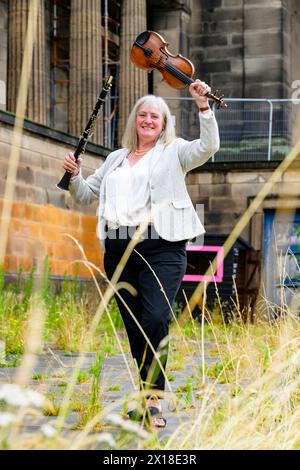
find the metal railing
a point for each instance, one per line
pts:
(250, 129)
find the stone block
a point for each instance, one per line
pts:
(256, 67)
(263, 18)
(264, 90)
(229, 26)
(242, 177)
(231, 3)
(4, 150)
(56, 198)
(217, 66)
(293, 176)
(36, 195)
(228, 204)
(211, 4)
(246, 189)
(25, 174)
(222, 218)
(199, 178)
(88, 223)
(217, 190)
(3, 169)
(193, 190)
(261, 43)
(223, 14)
(218, 177)
(288, 188)
(45, 179)
(215, 40)
(237, 39)
(219, 53)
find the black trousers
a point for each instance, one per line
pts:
(150, 307)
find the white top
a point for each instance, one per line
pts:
(128, 193)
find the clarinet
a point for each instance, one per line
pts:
(80, 149)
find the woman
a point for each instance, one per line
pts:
(145, 180)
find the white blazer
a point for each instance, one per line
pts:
(173, 214)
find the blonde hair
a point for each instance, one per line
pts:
(130, 138)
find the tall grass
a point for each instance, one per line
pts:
(242, 389)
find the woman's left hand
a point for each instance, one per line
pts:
(198, 89)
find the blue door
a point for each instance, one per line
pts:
(282, 256)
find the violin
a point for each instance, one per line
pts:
(149, 51)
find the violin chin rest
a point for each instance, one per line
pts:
(143, 38)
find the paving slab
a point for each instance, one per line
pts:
(52, 373)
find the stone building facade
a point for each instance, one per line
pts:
(247, 48)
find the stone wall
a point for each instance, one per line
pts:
(42, 214)
(238, 45)
(227, 194)
(3, 52)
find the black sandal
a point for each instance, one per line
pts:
(156, 413)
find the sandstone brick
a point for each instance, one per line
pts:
(288, 188)
(89, 238)
(63, 251)
(88, 223)
(199, 178)
(36, 195)
(214, 190)
(242, 177)
(21, 262)
(50, 233)
(34, 213)
(263, 43)
(261, 90)
(193, 190)
(292, 176)
(255, 66)
(4, 150)
(223, 14)
(229, 26)
(237, 39)
(53, 215)
(56, 198)
(246, 189)
(215, 40)
(11, 263)
(227, 204)
(25, 174)
(60, 267)
(231, 3)
(18, 210)
(93, 255)
(216, 66)
(218, 178)
(45, 179)
(263, 18)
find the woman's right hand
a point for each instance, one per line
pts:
(71, 165)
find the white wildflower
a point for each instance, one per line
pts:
(106, 438)
(48, 430)
(35, 398)
(127, 425)
(15, 395)
(6, 419)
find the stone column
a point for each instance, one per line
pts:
(133, 81)
(85, 66)
(17, 27)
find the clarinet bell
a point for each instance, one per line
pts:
(65, 181)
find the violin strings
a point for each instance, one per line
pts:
(179, 75)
